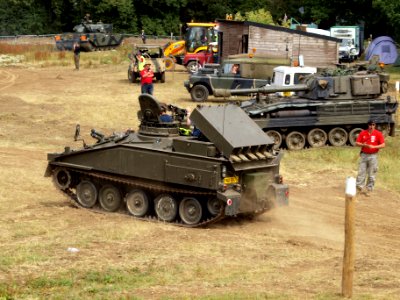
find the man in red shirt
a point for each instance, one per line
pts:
(146, 79)
(370, 141)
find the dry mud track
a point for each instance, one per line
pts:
(295, 251)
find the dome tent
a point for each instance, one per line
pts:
(383, 46)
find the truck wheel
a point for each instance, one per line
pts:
(193, 67)
(199, 93)
(130, 76)
(134, 77)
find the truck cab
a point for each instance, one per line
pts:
(351, 38)
(287, 76)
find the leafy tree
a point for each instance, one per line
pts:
(119, 12)
(161, 17)
(259, 16)
(390, 16)
(22, 17)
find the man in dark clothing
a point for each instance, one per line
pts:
(143, 36)
(77, 52)
(164, 117)
(236, 73)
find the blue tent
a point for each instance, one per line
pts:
(383, 46)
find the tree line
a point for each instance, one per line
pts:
(163, 17)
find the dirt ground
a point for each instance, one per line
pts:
(295, 251)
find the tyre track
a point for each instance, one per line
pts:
(7, 79)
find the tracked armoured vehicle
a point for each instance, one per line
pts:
(230, 169)
(329, 108)
(90, 36)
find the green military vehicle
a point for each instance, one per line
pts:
(215, 79)
(154, 55)
(90, 36)
(330, 107)
(230, 169)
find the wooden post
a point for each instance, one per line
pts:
(348, 256)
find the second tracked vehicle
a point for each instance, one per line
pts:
(90, 36)
(229, 169)
(328, 108)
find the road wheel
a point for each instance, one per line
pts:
(190, 211)
(295, 140)
(276, 137)
(353, 135)
(166, 207)
(193, 67)
(86, 193)
(338, 137)
(109, 198)
(199, 93)
(137, 203)
(317, 137)
(214, 206)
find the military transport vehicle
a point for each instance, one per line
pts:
(215, 79)
(90, 36)
(154, 55)
(329, 107)
(230, 169)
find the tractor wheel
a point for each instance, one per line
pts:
(130, 76)
(169, 64)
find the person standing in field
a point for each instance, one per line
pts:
(140, 61)
(146, 79)
(77, 53)
(371, 141)
(143, 36)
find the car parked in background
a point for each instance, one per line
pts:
(216, 80)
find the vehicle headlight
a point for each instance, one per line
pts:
(223, 171)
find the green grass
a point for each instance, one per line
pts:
(394, 72)
(121, 282)
(48, 56)
(345, 159)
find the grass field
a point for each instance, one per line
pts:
(293, 253)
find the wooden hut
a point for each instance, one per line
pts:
(275, 42)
